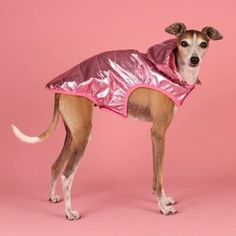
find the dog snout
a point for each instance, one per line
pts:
(194, 60)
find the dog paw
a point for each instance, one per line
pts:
(165, 207)
(73, 215)
(168, 201)
(167, 210)
(54, 199)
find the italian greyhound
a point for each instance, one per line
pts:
(159, 109)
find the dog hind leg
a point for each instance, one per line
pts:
(58, 165)
(77, 114)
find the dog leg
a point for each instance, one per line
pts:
(67, 184)
(77, 151)
(158, 139)
(57, 167)
(162, 109)
(52, 197)
(167, 200)
(77, 114)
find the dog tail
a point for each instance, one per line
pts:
(37, 139)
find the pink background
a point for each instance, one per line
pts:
(41, 39)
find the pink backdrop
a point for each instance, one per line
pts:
(41, 39)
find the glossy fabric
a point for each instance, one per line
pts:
(108, 78)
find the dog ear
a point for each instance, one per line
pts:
(212, 33)
(176, 29)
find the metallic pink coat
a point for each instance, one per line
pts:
(109, 78)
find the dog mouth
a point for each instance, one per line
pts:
(193, 65)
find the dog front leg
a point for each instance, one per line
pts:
(158, 143)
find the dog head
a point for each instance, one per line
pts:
(192, 44)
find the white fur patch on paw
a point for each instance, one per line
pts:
(165, 207)
(168, 201)
(55, 199)
(73, 215)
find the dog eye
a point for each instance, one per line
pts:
(184, 44)
(203, 45)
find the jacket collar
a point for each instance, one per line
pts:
(163, 57)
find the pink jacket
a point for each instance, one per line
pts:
(108, 78)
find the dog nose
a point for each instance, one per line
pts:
(194, 60)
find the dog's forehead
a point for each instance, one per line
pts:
(193, 34)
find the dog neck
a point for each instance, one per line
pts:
(188, 73)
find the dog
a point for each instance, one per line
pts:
(143, 103)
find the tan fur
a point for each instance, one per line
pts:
(160, 111)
